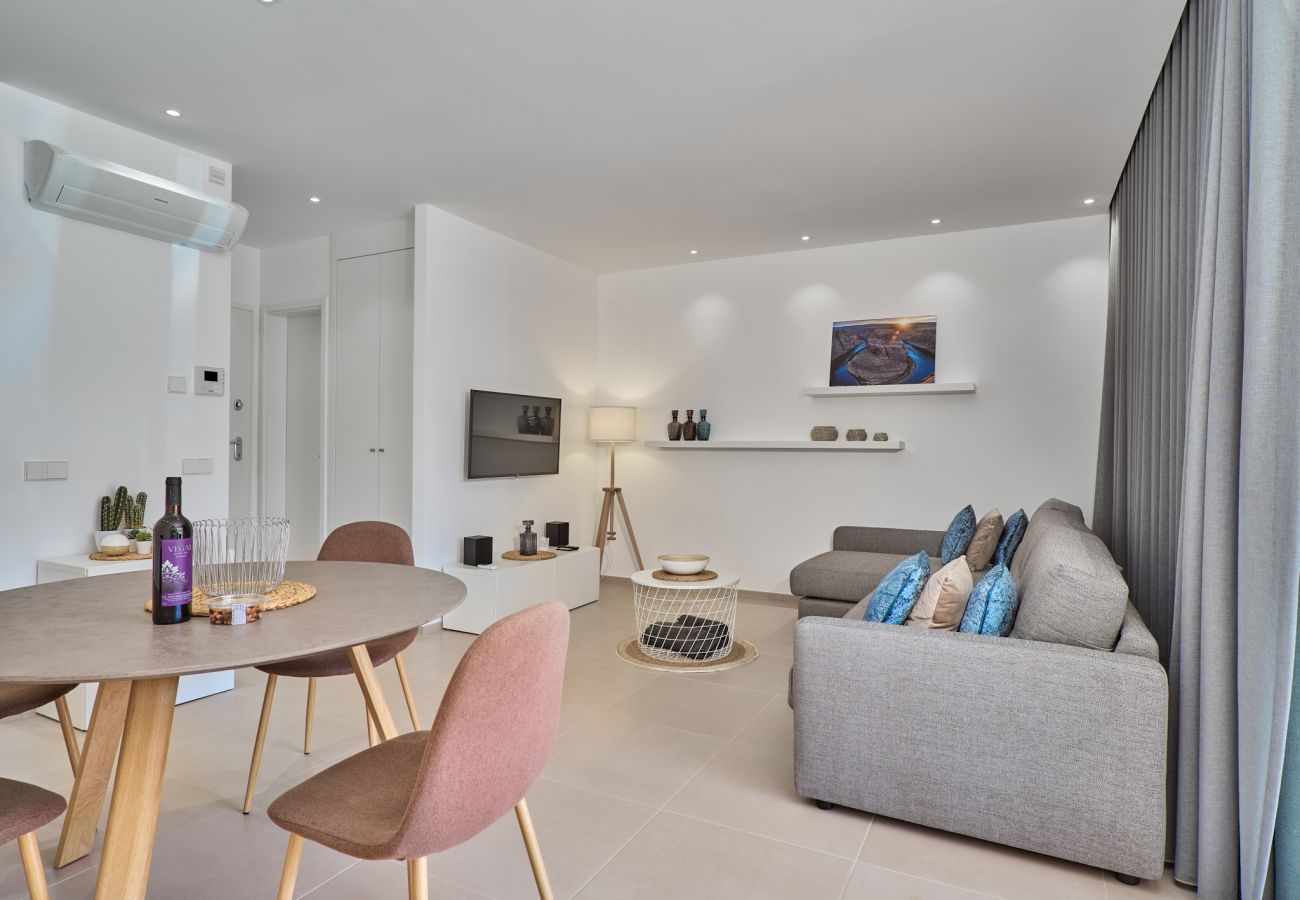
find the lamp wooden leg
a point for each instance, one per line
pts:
(376, 705)
(133, 814)
(311, 714)
(406, 691)
(259, 742)
(289, 876)
(93, 772)
(534, 851)
(627, 523)
(69, 736)
(417, 878)
(602, 524)
(30, 852)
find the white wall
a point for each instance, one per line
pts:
(295, 273)
(494, 314)
(1021, 312)
(93, 322)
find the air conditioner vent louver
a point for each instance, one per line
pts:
(67, 183)
(216, 176)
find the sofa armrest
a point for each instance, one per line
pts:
(903, 541)
(1051, 748)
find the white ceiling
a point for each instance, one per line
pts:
(621, 134)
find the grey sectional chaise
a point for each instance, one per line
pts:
(1051, 740)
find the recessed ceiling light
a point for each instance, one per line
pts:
(936, 221)
(806, 237)
(1089, 201)
(174, 113)
(314, 199)
(693, 252)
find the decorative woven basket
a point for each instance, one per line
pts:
(825, 433)
(856, 434)
(880, 436)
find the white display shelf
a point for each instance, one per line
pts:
(879, 390)
(513, 436)
(841, 445)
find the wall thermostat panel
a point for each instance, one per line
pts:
(208, 380)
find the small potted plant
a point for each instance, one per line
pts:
(142, 541)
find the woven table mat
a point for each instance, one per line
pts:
(539, 555)
(285, 594)
(121, 557)
(706, 575)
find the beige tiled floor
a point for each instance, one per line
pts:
(660, 786)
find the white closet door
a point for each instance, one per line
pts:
(396, 364)
(355, 313)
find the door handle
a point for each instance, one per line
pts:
(238, 444)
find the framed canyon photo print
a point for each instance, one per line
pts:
(883, 351)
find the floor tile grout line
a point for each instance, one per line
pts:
(346, 868)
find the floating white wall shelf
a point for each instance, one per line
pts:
(877, 390)
(857, 446)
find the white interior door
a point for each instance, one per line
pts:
(355, 452)
(240, 395)
(396, 363)
(302, 441)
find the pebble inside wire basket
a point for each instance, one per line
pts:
(240, 559)
(676, 624)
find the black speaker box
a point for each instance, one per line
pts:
(557, 533)
(478, 550)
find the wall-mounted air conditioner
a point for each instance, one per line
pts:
(105, 193)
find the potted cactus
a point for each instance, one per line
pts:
(120, 514)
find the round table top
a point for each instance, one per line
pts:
(646, 578)
(96, 629)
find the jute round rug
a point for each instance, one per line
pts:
(742, 653)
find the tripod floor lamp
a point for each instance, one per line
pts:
(613, 425)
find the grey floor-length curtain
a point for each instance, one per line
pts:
(1198, 489)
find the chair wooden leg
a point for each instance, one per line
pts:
(417, 878)
(311, 714)
(534, 851)
(32, 868)
(69, 736)
(258, 743)
(372, 735)
(406, 690)
(289, 877)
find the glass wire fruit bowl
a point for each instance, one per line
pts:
(239, 561)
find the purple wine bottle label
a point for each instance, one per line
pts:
(176, 572)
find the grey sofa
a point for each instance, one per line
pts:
(1055, 746)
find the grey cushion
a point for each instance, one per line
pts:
(1071, 590)
(843, 574)
(820, 606)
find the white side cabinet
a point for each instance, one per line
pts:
(81, 701)
(492, 594)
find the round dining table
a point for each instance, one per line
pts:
(96, 630)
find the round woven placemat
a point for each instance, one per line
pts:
(285, 594)
(706, 575)
(539, 555)
(121, 557)
(742, 653)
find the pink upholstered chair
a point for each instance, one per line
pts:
(429, 791)
(23, 809)
(19, 698)
(377, 542)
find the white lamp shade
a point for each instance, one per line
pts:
(611, 424)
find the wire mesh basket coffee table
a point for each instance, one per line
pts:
(678, 620)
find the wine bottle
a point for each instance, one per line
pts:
(173, 573)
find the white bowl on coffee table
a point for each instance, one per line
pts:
(683, 563)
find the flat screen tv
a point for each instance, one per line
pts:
(512, 435)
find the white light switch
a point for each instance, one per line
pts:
(199, 465)
(175, 384)
(45, 470)
(33, 471)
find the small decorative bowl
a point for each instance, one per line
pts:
(115, 545)
(880, 436)
(825, 433)
(683, 563)
(856, 434)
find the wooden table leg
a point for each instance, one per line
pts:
(373, 693)
(95, 767)
(133, 814)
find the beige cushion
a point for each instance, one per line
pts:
(985, 542)
(943, 599)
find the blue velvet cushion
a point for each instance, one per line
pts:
(960, 531)
(1012, 533)
(992, 605)
(897, 592)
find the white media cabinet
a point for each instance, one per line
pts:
(492, 594)
(81, 701)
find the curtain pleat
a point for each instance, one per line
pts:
(1198, 475)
